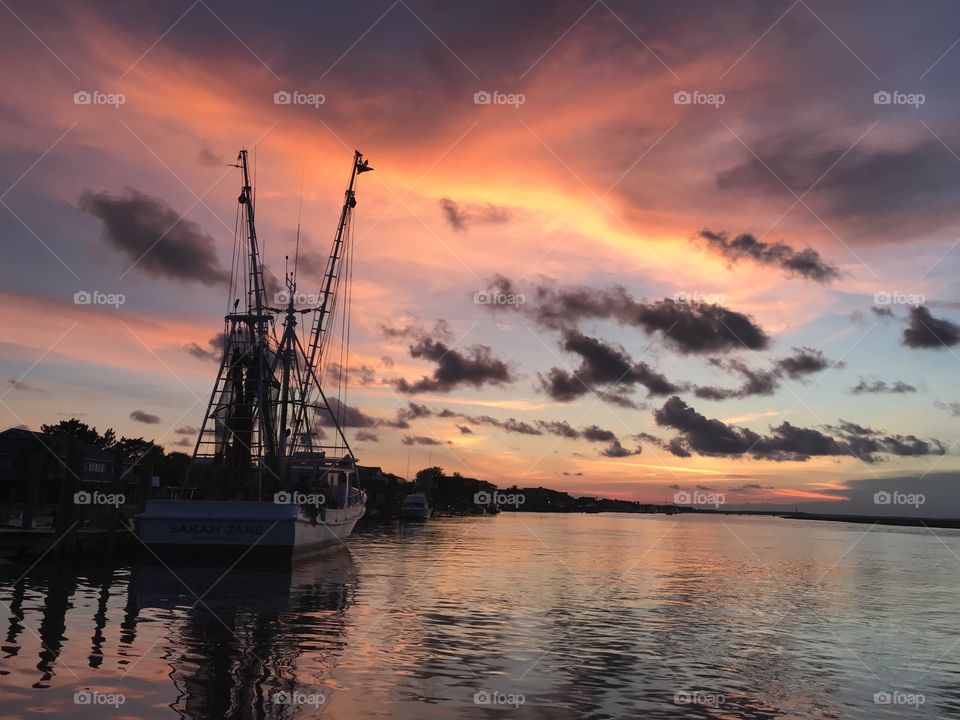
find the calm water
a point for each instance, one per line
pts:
(521, 615)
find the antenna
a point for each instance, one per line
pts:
(296, 254)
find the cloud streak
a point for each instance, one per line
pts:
(806, 263)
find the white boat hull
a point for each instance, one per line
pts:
(242, 524)
(416, 514)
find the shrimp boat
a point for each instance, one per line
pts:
(272, 468)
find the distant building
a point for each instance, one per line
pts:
(33, 467)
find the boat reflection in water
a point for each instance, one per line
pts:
(205, 642)
(237, 651)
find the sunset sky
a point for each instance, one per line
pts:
(733, 227)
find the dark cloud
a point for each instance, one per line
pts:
(594, 433)
(560, 428)
(882, 311)
(805, 263)
(209, 158)
(749, 486)
(616, 450)
(951, 407)
(881, 387)
(925, 331)
(213, 350)
(460, 216)
(414, 331)
(363, 375)
(347, 416)
(366, 436)
(687, 328)
(421, 440)
(711, 437)
(455, 368)
(804, 361)
(186, 430)
(154, 236)
(470, 366)
(21, 386)
(464, 430)
(756, 382)
(144, 417)
(561, 385)
(887, 191)
(602, 364)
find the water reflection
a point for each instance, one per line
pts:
(230, 641)
(597, 617)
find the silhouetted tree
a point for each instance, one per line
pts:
(83, 432)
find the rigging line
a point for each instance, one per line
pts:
(348, 311)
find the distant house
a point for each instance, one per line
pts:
(33, 467)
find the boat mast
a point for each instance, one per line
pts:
(256, 307)
(324, 308)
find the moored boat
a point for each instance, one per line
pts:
(415, 508)
(265, 475)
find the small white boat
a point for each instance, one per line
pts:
(415, 508)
